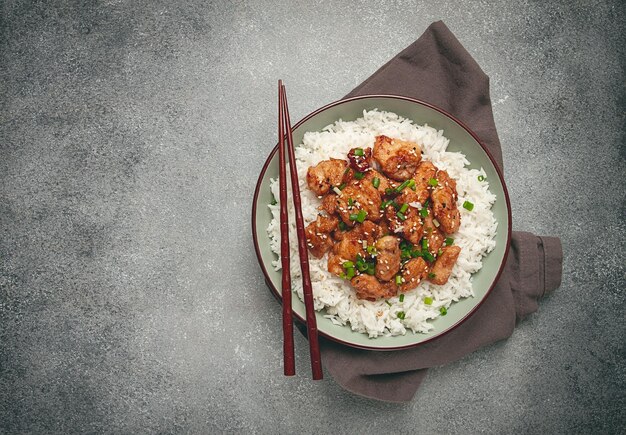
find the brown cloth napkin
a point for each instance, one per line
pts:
(437, 69)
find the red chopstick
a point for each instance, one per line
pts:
(311, 322)
(288, 348)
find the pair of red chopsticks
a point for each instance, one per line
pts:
(284, 129)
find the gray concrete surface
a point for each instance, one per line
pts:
(131, 134)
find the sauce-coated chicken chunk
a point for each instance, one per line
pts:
(414, 271)
(318, 234)
(444, 198)
(412, 227)
(368, 287)
(326, 174)
(388, 258)
(432, 234)
(357, 197)
(352, 244)
(398, 159)
(441, 270)
(425, 171)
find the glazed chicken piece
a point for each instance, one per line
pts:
(383, 182)
(413, 272)
(351, 245)
(398, 159)
(388, 258)
(335, 264)
(329, 204)
(444, 198)
(375, 230)
(368, 287)
(326, 174)
(396, 226)
(413, 226)
(383, 228)
(445, 180)
(425, 171)
(357, 197)
(432, 234)
(442, 268)
(318, 236)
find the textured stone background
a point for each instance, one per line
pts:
(131, 134)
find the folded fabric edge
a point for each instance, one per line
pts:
(552, 263)
(392, 388)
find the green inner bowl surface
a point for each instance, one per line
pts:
(462, 140)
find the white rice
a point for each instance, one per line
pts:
(475, 236)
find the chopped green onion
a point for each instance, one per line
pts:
(443, 311)
(428, 300)
(343, 276)
(389, 191)
(384, 204)
(388, 303)
(416, 253)
(405, 244)
(346, 171)
(361, 265)
(408, 183)
(400, 315)
(343, 226)
(371, 250)
(424, 243)
(401, 216)
(405, 254)
(371, 269)
(350, 202)
(359, 175)
(401, 187)
(431, 275)
(353, 216)
(428, 256)
(402, 297)
(274, 202)
(440, 251)
(359, 152)
(481, 178)
(468, 206)
(424, 212)
(398, 279)
(347, 264)
(404, 208)
(449, 241)
(350, 273)
(342, 186)
(376, 182)
(412, 185)
(361, 216)
(433, 182)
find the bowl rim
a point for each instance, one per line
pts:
(277, 294)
